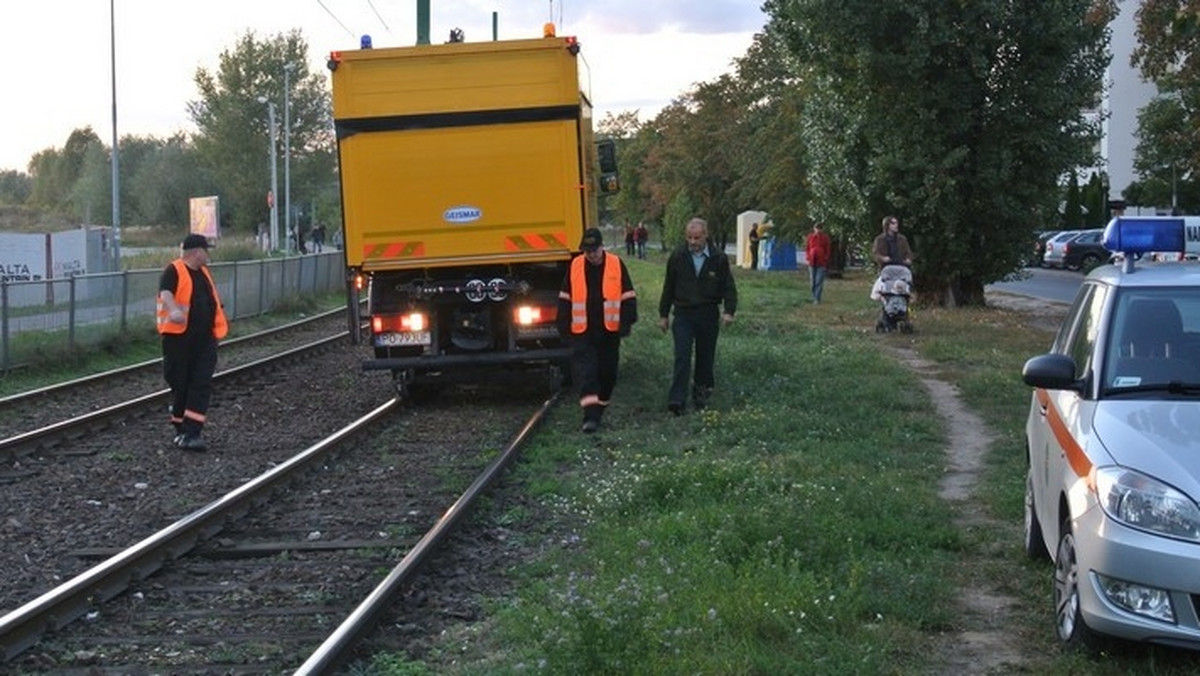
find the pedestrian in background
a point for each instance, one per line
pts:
(816, 253)
(318, 238)
(630, 240)
(190, 320)
(597, 306)
(642, 235)
(890, 247)
(697, 283)
(755, 237)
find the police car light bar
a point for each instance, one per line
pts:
(1132, 235)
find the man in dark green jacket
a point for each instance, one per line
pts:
(698, 282)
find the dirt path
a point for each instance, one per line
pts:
(984, 642)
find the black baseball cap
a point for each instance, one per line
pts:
(592, 240)
(195, 241)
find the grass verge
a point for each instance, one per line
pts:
(794, 526)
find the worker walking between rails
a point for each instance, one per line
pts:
(597, 306)
(191, 320)
(697, 283)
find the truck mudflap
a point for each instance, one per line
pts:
(436, 362)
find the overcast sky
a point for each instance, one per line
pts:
(641, 53)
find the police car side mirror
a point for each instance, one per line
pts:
(1052, 372)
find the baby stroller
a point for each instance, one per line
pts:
(893, 290)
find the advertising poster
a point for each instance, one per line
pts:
(204, 212)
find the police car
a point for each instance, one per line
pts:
(1113, 438)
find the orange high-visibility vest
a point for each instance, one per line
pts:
(610, 289)
(183, 296)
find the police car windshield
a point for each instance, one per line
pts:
(1154, 342)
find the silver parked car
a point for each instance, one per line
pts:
(1056, 248)
(1113, 438)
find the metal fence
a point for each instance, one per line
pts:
(63, 314)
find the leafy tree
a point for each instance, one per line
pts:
(675, 220)
(1168, 53)
(1166, 150)
(1072, 218)
(15, 187)
(55, 171)
(959, 117)
(91, 193)
(233, 138)
(629, 205)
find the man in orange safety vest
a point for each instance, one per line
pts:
(597, 306)
(190, 321)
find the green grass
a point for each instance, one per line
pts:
(795, 526)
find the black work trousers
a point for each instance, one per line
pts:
(694, 327)
(188, 365)
(597, 357)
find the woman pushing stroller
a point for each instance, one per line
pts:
(893, 288)
(890, 247)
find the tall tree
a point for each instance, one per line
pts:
(959, 117)
(233, 133)
(15, 187)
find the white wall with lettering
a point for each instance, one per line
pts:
(22, 257)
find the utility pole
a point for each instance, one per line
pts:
(287, 152)
(422, 22)
(274, 197)
(116, 174)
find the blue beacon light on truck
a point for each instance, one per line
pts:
(1134, 235)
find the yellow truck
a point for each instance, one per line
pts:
(468, 174)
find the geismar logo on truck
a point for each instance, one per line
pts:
(462, 214)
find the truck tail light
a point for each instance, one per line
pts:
(529, 315)
(413, 321)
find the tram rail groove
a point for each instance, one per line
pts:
(24, 443)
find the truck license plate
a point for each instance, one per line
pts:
(403, 338)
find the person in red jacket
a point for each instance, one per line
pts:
(190, 321)
(817, 252)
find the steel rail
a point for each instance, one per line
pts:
(56, 608)
(93, 378)
(336, 649)
(10, 446)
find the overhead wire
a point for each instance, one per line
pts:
(335, 18)
(377, 16)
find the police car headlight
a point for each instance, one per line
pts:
(1143, 502)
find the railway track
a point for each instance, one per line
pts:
(256, 580)
(45, 406)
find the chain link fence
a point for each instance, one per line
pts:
(64, 314)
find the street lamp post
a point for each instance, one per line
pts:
(116, 153)
(274, 176)
(287, 151)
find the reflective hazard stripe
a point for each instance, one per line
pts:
(536, 241)
(394, 250)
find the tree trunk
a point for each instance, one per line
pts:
(953, 292)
